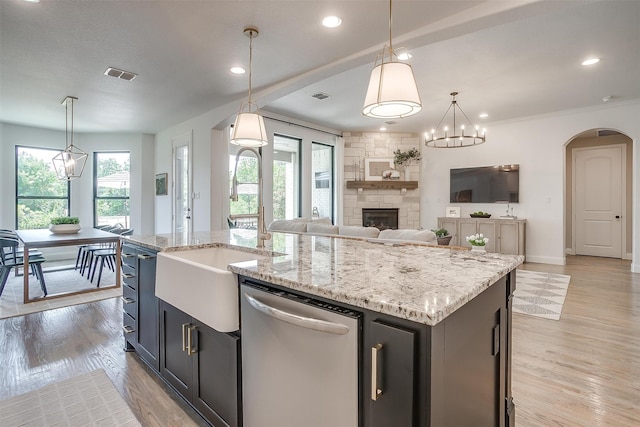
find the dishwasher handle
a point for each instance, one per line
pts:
(294, 319)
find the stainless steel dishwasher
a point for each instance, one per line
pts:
(299, 361)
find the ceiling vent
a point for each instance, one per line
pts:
(390, 123)
(120, 74)
(320, 96)
(607, 132)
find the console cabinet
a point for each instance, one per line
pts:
(506, 236)
(139, 302)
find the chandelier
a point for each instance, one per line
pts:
(69, 163)
(454, 136)
(392, 92)
(248, 129)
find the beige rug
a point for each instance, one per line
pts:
(58, 281)
(85, 400)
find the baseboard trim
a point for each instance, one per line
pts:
(628, 256)
(547, 260)
(635, 268)
(569, 251)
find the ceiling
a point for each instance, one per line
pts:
(507, 58)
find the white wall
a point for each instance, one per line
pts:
(140, 146)
(538, 145)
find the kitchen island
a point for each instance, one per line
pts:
(441, 318)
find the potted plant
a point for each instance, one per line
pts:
(64, 224)
(406, 159)
(477, 242)
(443, 236)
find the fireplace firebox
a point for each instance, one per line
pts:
(381, 218)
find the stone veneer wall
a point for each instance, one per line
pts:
(361, 145)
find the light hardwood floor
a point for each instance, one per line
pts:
(583, 370)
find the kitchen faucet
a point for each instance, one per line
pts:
(262, 229)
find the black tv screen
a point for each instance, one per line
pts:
(488, 184)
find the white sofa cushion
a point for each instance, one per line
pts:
(318, 227)
(358, 231)
(409, 235)
(288, 225)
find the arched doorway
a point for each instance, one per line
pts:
(599, 210)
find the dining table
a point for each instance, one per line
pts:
(44, 238)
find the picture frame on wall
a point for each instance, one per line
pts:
(161, 184)
(453, 212)
(373, 168)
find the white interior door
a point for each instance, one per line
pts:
(598, 203)
(182, 202)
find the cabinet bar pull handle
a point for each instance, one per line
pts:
(375, 391)
(127, 300)
(184, 334)
(142, 256)
(190, 349)
(128, 255)
(128, 329)
(128, 275)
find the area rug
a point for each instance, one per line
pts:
(59, 281)
(86, 400)
(540, 294)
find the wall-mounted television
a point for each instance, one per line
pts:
(487, 184)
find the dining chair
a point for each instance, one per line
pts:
(108, 256)
(9, 260)
(85, 252)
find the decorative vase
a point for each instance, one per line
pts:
(407, 173)
(479, 249)
(64, 228)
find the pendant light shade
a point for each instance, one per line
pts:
(69, 163)
(248, 129)
(392, 91)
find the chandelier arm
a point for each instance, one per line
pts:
(444, 117)
(465, 116)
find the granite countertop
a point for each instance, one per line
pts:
(420, 283)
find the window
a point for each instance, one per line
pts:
(286, 177)
(40, 195)
(244, 211)
(322, 193)
(111, 188)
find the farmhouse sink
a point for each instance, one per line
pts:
(197, 282)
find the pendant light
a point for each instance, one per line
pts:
(69, 163)
(248, 129)
(392, 92)
(451, 135)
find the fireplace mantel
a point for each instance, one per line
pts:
(383, 185)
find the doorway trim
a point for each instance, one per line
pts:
(623, 220)
(185, 139)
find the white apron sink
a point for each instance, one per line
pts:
(197, 282)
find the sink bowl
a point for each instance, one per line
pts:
(197, 282)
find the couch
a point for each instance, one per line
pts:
(324, 227)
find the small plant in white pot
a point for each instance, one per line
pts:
(477, 242)
(64, 225)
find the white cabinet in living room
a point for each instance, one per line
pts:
(506, 236)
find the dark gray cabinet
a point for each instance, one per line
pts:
(202, 365)
(139, 302)
(456, 373)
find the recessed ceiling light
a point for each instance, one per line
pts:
(404, 56)
(483, 115)
(383, 128)
(32, 1)
(331, 21)
(238, 70)
(591, 61)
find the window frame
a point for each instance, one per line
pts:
(17, 195)
(95, 197)
(333, 176)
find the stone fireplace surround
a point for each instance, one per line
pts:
(361, 145)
